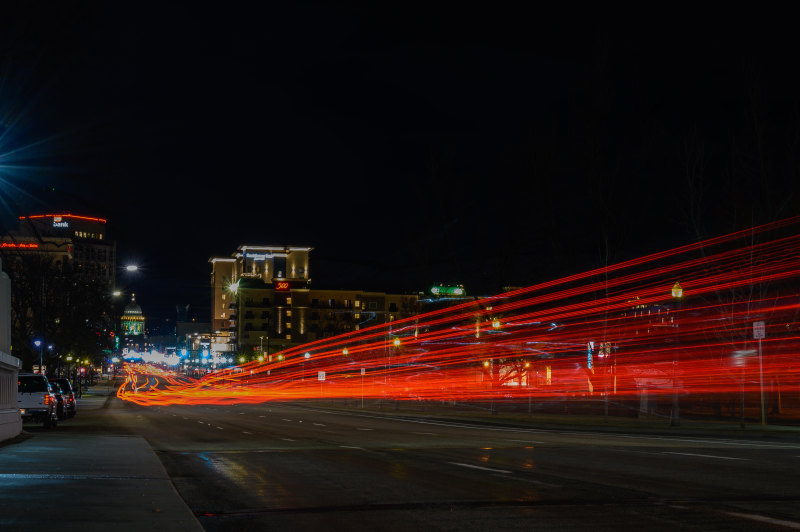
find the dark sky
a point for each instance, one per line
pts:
(407, 145)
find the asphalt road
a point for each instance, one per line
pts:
(304, 467)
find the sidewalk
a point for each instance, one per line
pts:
(86, 481)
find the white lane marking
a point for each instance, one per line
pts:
(359, 428)
(174, 415)
(245, 432)
(241, 413)
(425, 433)
(220, 428)
(201, 422)
(480, 467)
(262, 416)
(286, 419)
(528, 441)
(765, 519)
(351, 447)
(720, 441)
(287, 439)
(320, 424)
(706, 455)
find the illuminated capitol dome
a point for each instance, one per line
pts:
(132, 319)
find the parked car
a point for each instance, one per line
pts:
(70, 408)
(36, 400)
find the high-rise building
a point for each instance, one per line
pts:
(83, 240)
(262, 302)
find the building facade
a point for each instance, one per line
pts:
(10, 421)
(262, 298)
(83, 240)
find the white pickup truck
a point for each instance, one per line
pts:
(36, 400)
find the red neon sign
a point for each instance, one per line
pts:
(282, 286)
(18, 246)
(76, 217)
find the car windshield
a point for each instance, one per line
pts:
(31, 385)
(55, 387)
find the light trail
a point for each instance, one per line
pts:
(612, 332)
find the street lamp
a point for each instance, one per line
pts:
(132, 268)
(38, 343)
(305, 357)
(677, 295)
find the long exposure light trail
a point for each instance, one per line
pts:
(616, 331)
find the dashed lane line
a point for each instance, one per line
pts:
(770, 520)
(705, 455)
(481, 468)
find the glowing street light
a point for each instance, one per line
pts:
(132, 268)
(345, 351)
(396, 342)
(677, 290)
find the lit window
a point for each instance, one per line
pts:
(357, 316)
(288, 336)
(288, 313)
(223, 297)
(288, 300)
(288, 324)
(357, 304)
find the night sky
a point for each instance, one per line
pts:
(408, 146)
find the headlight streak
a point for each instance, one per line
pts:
(533, 341)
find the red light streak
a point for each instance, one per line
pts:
(532, 342)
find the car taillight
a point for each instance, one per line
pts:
(47, 399)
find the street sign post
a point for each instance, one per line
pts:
(363, 370)
(758, 333)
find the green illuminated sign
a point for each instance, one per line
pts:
(443, 290)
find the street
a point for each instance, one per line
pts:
(307, 467)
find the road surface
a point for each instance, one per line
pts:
(306, 467)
